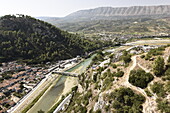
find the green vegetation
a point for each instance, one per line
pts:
(167, 74)
(167, 87)
(119, 73)
(30, 40)
(158, 67)
(98, 57)
(140, 78)
(126, 101)
(41, 111)
(79, 100)
(114, 65)
(158, 88)
(157, 51)
(149, 94)
(163, 105)
(108, 79)
(146, 26)
(154, 52)
(126, 57)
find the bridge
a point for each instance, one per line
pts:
(65, 73)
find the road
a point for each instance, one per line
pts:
(32, 95)
(65, 101)
(27, 99)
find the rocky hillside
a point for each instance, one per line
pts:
(110, 12)
(125, 81)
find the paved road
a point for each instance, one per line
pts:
(32, 95)
(65, 101)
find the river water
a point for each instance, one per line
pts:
(51, 97)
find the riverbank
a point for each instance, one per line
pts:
(44, 84)
(28, 109)
(50, 97)
(71, 82)
(22, 104)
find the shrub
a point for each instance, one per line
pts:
(158, 88)
(142, 56)
(114, 65)
(158, 67)
(163, 106)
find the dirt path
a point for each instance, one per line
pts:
(150, 104)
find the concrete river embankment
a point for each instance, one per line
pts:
(53, 94)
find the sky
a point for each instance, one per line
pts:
(61, 8)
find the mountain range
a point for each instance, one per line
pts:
(110, 18)
(115, 13)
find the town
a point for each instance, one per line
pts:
(17, 80)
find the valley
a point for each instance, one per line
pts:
(94, 60)
(150, 104)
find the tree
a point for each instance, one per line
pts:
(140, 78)
(158, 88)
(125, 100)
(126, 57)
(41, 111)
(158, 67)
(163, 105)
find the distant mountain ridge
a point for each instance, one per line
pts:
(113, 13)
(106, 12)
(124, 11)
(113, 19)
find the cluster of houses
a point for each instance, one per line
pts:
(141, 48)
(22, 81)
(11, 66)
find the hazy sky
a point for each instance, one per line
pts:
(60, 8)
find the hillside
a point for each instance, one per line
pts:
(132, 79)
(146, 26)
(34, 41)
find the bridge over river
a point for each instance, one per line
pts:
(65, 73)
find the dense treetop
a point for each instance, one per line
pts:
(26, 38)
(126, 101)
(140, 78)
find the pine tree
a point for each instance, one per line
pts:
(158, 67)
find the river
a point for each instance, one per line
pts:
(53, 94)
(50, 97)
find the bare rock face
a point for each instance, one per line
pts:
(100, 103)
(123, 11)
